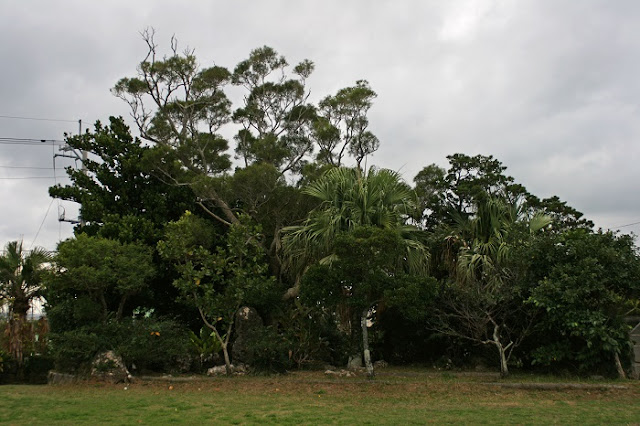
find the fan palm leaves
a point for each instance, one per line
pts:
(487, 238)
(20, 278)
(350, 199)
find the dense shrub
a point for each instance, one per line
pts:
(269, 351)
(146, 343)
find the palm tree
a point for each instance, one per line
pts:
(480, 250)
(20, 279)
(351, 200)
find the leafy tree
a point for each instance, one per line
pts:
(276, 118)
(94, 279)
(216, 275)
(483, 301)
(183, 109)
(368, 270)
(565, 217)
(469, 180)
(583, 280)
(21, 275)
(262, 192)
(121, 199)
(342, 125)
(349, 200)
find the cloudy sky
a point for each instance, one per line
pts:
(549, 87)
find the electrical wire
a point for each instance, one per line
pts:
(15, 117)
(29, 141)
(628, 224)
(26, 167)
(30, 177)
(42, 224)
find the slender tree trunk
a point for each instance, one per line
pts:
(227, 361)
(105, 308)
(120, 311)
(365, 343)
(504, 368)
(223, 342)
(621, 373)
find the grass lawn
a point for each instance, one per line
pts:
(397, 396)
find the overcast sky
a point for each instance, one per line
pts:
(549, 87)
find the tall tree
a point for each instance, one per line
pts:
(469, 180)
(121, 199)
(20, 278)
(276, 118)
(342, 127)
(183, 110)
(581, 282)
(217, 275)
(351, 201)
(484, 299)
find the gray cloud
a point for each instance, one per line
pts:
(548, 87)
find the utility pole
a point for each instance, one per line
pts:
(82, 157)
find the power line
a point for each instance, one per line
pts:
(26, 141)
(42, 223)
(31, 177)
(29, 139)
(628, 224)
(26, 167)
(15, 117)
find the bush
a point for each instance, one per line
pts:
(269, 351)
(149, 344)
(36, 368)
(156, 345)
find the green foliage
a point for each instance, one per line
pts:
(362, 269)
(269, 351)
(482, 301)
(122, 199)
(584, 280)
(367, 272)
(216, 279)
(342, 125)
(94, 279)
(74, 350)
(469, 181)
(313, 336)
(20, 276)
(205, 343)
(151, 344)
(118, 196)
(349, 200)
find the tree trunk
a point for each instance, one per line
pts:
(504, 368)
(16, 327)
(227, 361)
(619, 369)
(120, 311)
(365, 343)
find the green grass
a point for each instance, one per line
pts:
(408, 397)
